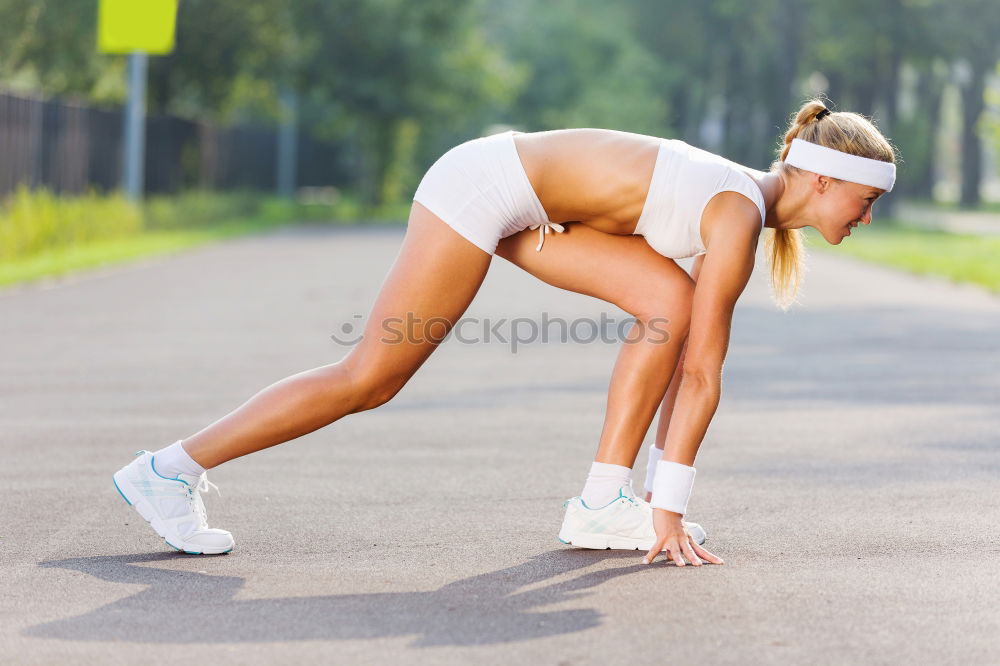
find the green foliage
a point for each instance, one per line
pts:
(397, 82)
(44, 235)
(345, 208)
(990, 123)
(228, 60)
(401, 175)
(62, 260)
(583, 65)
(957, 257)
(34, 221)
(198, 208)
(50, 44)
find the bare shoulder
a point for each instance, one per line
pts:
(731, 227)
(730, 220)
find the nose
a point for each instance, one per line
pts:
(867, 217)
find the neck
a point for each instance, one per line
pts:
(783, 208)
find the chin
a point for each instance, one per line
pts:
(839, 237)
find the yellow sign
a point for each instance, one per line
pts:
(124, 26)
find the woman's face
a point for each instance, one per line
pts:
(839, 206)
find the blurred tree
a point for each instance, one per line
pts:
(227, 60)
(372, 66)
(583, 66)
(858, 46)
(970, 30)
(740, 59)
(681, 35)
(397, 82)
(753, 68)
(50, 45)
(916, 132)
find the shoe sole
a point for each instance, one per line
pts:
(601, 542)
(604, 542)
(137, 501)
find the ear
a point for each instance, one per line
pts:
(822, 183)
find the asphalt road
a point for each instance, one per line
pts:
(850, 478)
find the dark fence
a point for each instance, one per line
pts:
(69, 148)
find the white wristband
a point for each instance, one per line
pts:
(672, 486)
(655, 456)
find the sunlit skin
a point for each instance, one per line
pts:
(832, 207)
(596, 181)
(794, 200)
(611, 200)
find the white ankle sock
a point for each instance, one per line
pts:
(655, 456)
(603, 484)
(173, 460)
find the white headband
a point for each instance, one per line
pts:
(836, 164)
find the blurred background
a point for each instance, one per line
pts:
(268, 111)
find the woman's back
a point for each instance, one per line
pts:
(596, 176)
(623, 183)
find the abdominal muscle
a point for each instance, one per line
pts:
(594, 176)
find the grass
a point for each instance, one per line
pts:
(954, 206)
(64, 260)
(43, 235)
(956, 257)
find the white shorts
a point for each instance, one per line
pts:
(480, 190)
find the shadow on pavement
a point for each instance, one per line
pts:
(186, 607)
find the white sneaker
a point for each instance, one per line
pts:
(624, 524)
(172, 506)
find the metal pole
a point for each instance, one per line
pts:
(287, 143)
(37, 117)
(135, 126)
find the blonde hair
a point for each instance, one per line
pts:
(844, 131)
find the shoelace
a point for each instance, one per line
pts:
(543, 229)
(204, 485)
(631, 501)
(630, 496)
(636, 501)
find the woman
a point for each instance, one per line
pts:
(636, 203)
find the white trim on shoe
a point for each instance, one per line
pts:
(200, 541)
(584, 528)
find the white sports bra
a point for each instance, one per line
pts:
(684, 179)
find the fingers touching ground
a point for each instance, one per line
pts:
(654, 551)
(677, 550)
(705, 555)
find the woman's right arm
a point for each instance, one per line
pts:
(670, 398)
(723, 278)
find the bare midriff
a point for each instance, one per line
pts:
(594, 176)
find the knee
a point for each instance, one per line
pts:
(371, 390)
(664, 300)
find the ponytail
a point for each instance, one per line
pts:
(844, 131)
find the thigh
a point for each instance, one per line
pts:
(431, 283)
(622, 270)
